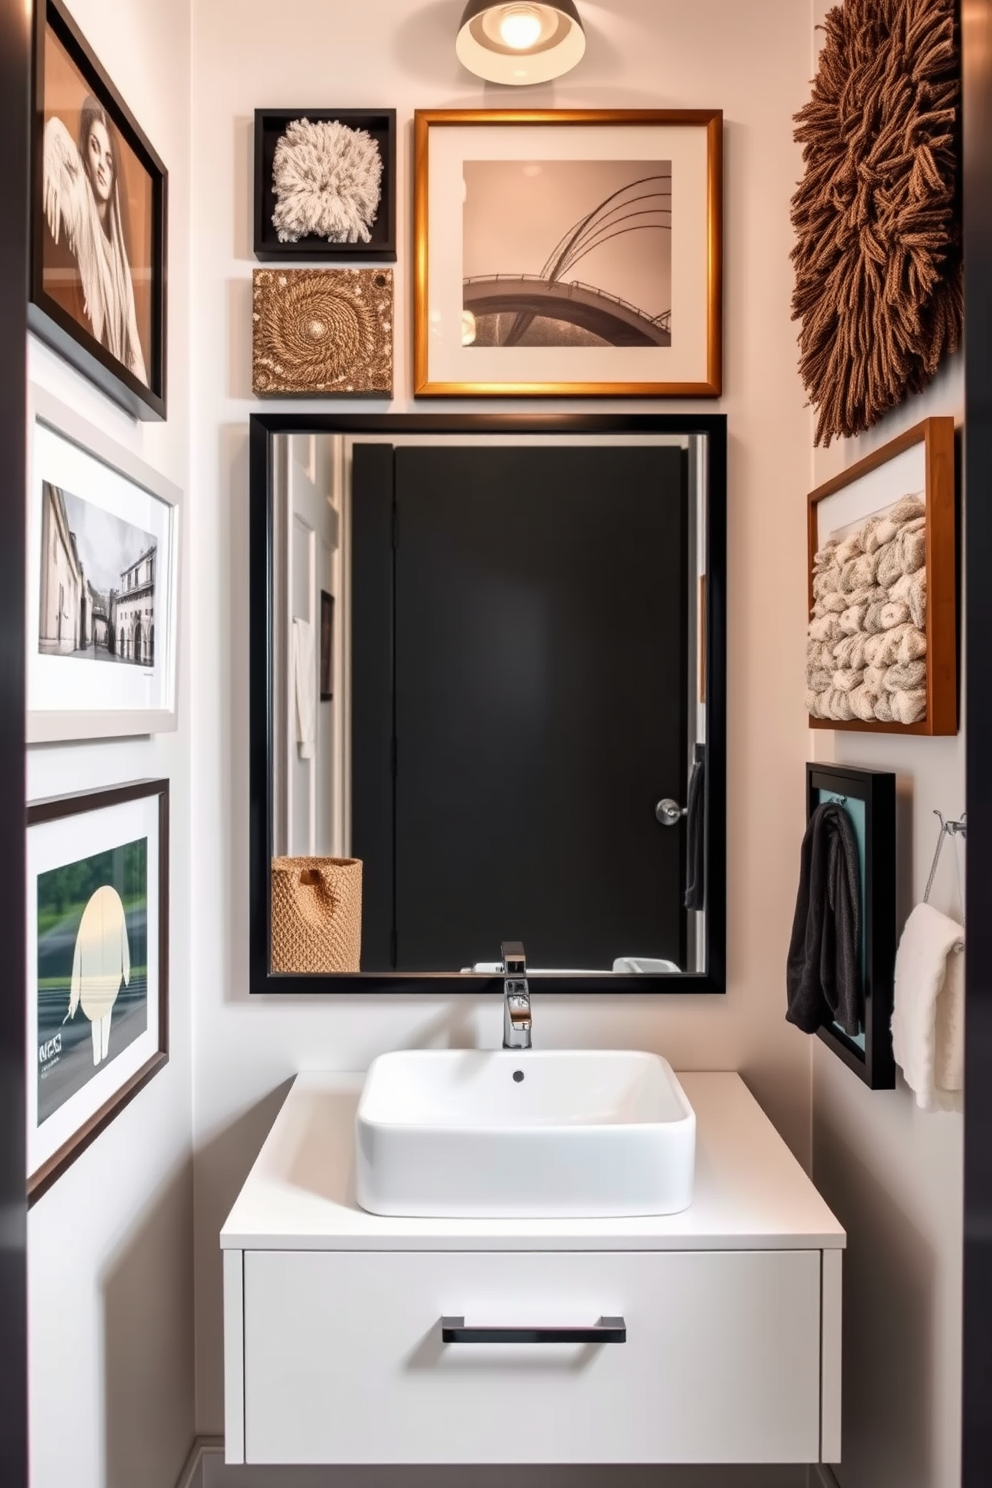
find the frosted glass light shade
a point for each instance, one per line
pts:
(521, 27)
(482, 41)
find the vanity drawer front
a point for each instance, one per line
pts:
(344, 1361)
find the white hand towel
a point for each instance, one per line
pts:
(928, 1011)
(305, 669)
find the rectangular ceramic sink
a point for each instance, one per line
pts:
(533, 1133)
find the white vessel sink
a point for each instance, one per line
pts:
(516, 1134)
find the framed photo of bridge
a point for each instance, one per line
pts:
(568, 253)
(103, 579)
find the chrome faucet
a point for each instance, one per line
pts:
(516, 997)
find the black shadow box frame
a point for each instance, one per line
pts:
(876, 789)
(46, 317)
(270, 124)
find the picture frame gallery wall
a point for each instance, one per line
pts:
(98, 223)
(101, 639)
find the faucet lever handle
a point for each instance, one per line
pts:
(514, 958)
(518, 1008)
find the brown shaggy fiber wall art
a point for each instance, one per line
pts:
(878, 251)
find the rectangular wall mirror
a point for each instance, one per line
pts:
(488, 694)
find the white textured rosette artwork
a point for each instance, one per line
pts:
(867, 643)
(327, 182)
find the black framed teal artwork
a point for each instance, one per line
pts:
(869, 798)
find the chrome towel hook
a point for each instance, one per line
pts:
(947, 829)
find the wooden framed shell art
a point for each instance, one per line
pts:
(98, 223)
(881, 650)
(98, 965)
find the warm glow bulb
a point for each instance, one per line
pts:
(520, 27)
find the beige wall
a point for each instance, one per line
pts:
(110, 1270)
(644, 53)
(893, 1174)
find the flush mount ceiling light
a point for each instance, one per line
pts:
(519, 43)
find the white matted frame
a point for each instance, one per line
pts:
(97, 1024)
(658, 350)
(89, 691)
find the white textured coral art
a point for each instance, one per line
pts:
(327, 180)
(867, 643)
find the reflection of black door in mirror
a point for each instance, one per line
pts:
(537, 693)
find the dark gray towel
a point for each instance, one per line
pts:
(824, 971)
(695, 821)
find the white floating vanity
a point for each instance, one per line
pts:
(709, 1335)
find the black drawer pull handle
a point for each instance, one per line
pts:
(607, 1330)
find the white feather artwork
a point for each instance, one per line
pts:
(327, 181)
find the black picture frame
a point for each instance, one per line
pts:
(270, 124)
(49, 320)
(58, 808)
(326, 647)
(15, 81)
(870, 1056)
(976, 1308)
(263, 455)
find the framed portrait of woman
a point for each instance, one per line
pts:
(98, 269)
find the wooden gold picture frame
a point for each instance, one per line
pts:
(98, 965)
(568, 253)
(882, 563)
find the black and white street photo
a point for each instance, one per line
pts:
(97, 583)
(567, 253)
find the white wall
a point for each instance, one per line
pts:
(892, 1174)
(110, 1272)
(642, 53)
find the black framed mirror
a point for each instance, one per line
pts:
(487, 701)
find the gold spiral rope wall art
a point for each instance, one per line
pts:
(878, 290)
(322, 331)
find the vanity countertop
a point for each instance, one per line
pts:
(750, 1192)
